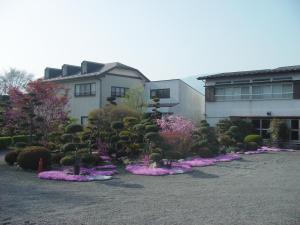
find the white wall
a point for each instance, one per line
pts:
(81, 106)
(190, 102)
(223, 109)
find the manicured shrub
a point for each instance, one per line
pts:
(117, 125)
(56, 157)
(66, 138)
(69, 147)
(151, 128)
(89, 159)
(130, 121)
(152, 136)
(205, 152)
(251, 146)
(68, 160)
(20, 144)
(74, 128)
(279, 130)
(21, 138)
(155, 157)
(11, 157)
(29, 158)
(5, 142)
(253, 138)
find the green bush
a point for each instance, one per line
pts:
(152, 136)
(11, 157)
(56, 157)
(151, 128)
(66, 138)
(68, 160)
(205, 152)
(155, 157)
(74, 128)
(117, 125)
(89, 159)
(20, 144)
(29, 158)
(69, 147)
(253, 138)
(251, 146)
(21, 138)
(5, 142)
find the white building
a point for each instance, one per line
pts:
(92, 83)
(259, 95)
(176, 97)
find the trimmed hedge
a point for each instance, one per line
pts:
(5, 142)
(11, 157)
(21, 138)
(30, 156)
(253, 138)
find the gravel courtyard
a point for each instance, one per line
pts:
(259, 189)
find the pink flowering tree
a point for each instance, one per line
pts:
(41, 108)
(177, 132)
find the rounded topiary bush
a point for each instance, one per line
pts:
(67, 138)
(74, 128)
(152, 136)
(89, 159)
(11, 157)
(251, 146)
(151, 128)
(68, 160)
(5, 142)
(20, 144)
(117, 125)
(69, 147)
(29, 158)
(155, 157)
(253, 138)
(56, 157)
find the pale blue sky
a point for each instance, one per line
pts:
(164, 38)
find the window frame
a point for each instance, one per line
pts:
(122, 93)
(81, 93)
(160, 90)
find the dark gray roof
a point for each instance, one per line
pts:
(104, 69)
(279, 70)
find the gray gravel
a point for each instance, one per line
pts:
(259, 189)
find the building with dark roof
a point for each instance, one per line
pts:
(259, 95)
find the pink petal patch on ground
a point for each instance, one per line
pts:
(157, 171)
(86, 174)
(199, 162)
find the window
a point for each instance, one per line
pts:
(160, 93)
(84, 120)
(257, 92)
(118, 91)
(88, 89)
(295, 130)
(261, 127)
(232, 93)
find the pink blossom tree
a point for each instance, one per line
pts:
(42, 108)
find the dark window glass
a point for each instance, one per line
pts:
(88, 89)
(265, 124)
(295, 124)
(265, 134)
(160, 93)
(118, 91)
(256, 124)
(84, 120)
(294, 135)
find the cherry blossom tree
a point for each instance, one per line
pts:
(41, 109)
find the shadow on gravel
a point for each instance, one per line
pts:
(199, 174)
(116, 182)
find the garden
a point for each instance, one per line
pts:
(40, 136)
